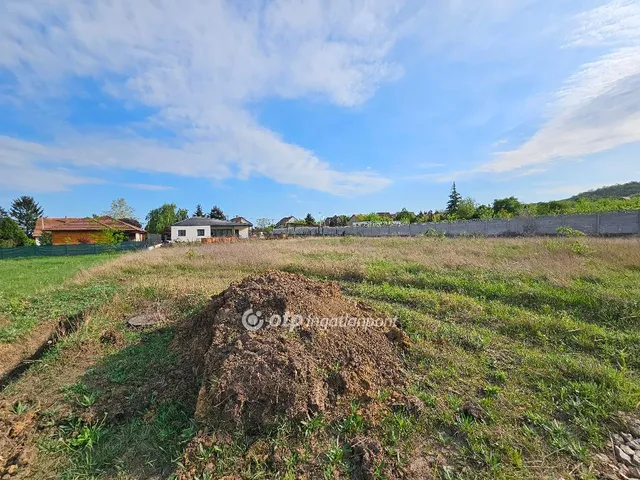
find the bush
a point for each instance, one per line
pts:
(568, 232)
(11, 235)
(46, 238)
(432, 232)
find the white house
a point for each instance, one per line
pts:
(196, 228)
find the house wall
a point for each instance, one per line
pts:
(74, 237)
(192, 233)
(243, 232)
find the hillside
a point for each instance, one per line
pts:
(630, 189)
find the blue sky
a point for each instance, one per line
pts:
(273, 108)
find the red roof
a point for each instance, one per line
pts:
(49, 224)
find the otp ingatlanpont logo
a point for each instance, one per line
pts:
(252, 321)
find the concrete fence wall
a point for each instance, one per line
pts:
(612, 223)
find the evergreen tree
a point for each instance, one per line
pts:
(309, 220)
(199, 212)
(217, 213)
(3, 213)
(26, 211)
(454, 200)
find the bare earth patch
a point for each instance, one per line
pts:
(255, 378)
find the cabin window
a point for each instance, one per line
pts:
(182, 233)
(201, 232)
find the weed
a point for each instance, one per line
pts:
(491, 391)
(568, 232)
(19, 407)
(397, 427)
(312, 424)
(354, 423)
(499, 377)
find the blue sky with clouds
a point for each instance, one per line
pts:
(271, 108)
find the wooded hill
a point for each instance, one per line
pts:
(630, 189)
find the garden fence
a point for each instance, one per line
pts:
(63, 250)
(608, 224)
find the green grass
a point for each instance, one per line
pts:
(37, 292)
(128, 384)
(27, 276)
(549, 363)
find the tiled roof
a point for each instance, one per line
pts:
(241, 220)
(286, 220)
(49, 224)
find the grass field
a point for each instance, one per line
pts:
(542, 334)
(33, 291)
(26, 276)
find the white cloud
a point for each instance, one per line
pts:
(200, 64)
(598, 108)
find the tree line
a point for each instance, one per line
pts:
(466, 208)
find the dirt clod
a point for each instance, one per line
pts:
(368, 453)
(473, 410)
(111, 337)
(254, 378)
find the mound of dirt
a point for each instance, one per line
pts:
(254, 378)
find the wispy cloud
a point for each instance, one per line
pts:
(598, 108)
(199, 65)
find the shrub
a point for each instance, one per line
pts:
(11, 235)
(432, 232)
(568, 232)
(579, 248)
(46, 238)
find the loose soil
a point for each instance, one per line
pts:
(254, 379)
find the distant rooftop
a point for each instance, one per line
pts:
(51, 224)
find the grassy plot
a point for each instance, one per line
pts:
(24, 277)
(522, 353)
(34, 291)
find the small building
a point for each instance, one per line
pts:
(353, 219)
(88, 230)
(198, 228)
(287, 222)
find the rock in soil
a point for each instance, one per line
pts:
(622, 456)
(253, 378)
(145, 320)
